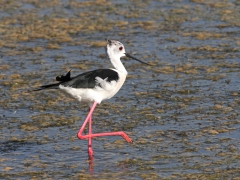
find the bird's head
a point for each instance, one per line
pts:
(115, 49)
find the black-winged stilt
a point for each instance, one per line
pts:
(95, 86)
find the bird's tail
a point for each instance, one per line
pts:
(63, 78)
(49, 86)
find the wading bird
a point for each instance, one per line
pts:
(95, 86)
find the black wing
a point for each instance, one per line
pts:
(85, 80)
(88, 79)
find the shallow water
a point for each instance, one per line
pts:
(182, 113)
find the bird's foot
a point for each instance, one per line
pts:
(125, 136)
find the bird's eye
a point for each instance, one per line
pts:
(120, 48)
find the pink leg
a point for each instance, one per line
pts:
(119, 133)
(90, 151)
(80, 136)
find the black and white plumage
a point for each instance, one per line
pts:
(89, 86)
(96, 85)
(85, 80)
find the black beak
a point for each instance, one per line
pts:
(136, 59)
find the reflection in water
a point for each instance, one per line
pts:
(91, 164)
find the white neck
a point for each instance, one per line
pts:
(117, 64)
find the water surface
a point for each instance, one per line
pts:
(182, 113)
